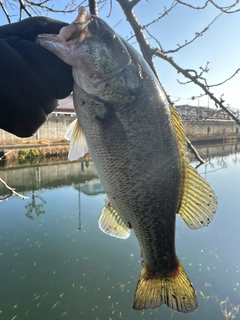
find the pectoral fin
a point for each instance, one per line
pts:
(112, 131)
(199, 203)
(111, 223)
(78, 144)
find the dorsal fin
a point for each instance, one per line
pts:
(199, 203)
(78, 143)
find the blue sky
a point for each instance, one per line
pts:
(220, 45)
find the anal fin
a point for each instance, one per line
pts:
(112, 224)
(199, 203)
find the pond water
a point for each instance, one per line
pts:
(55, 263)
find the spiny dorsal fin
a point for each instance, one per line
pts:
(78, 144)
(111, 223)
(175, 290)
(199, 203)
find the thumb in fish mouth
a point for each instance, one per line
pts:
(67, 33)
(73, 31)
(78, 25)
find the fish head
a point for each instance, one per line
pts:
(95, 52)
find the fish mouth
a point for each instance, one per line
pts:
(79, 24)
(70, 32)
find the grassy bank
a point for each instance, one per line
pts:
(28, 142)
(34, 155)
(35, 150)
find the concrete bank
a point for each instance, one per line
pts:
(53, 129)
(49, 140)
(56, 125)
(221, 131)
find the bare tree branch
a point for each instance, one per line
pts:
(194, 79)
(12, 192)
(144, 45)
(93, 8)
(149, 52)
(227, 8)
(69, 8)
(194, 151)
(224, 9)
(166, 13)
(197, 35)
(220, 83)
(5, 11)
(23, 7)
(5, 154)
(31, 8)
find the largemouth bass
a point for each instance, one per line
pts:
(138, 146)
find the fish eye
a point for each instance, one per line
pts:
(108, 35)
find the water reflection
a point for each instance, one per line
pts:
(58, 264)
(52, 175)
(215, 150)
(35, 205)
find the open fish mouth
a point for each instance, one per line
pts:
(79, 24)
(70, 32)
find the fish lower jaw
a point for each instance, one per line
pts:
(45, 37)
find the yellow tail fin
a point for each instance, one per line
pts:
(175, 290)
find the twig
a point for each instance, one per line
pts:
(224, 9)
(194, 79)
(5, 154)
(197, 35)
(5, 11)
(193, 149)
(193, 7)
(219, 84)
(13, 192)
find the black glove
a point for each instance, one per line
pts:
(31, 77)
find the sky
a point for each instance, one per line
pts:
(220, 45)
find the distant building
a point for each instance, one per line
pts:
(203, 113)
(65, 107)
(92, 187)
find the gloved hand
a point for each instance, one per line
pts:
(31, 77)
